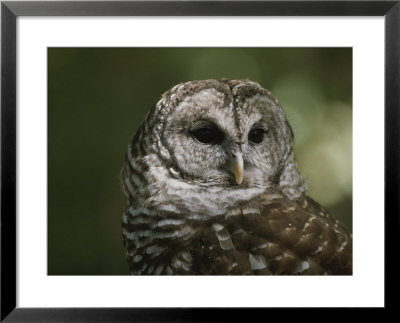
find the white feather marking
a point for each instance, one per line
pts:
(235, 264)
(132, 252)
(302, 266)
(175, 87)
(136, 234)
(143, 242)
(257, 262)
(316, 251)
(159, 269)
(150, 269)
(217, 227)
(160, 102)
(226, 244)
(169, 208)
(250, 211)
(173, 234)
(152, 249)
(261, 246)
(197, 217)
(174, 172)
(137, 258)
(344, 243)
(176, 263)
(135, 212)
(232, 212)
(187, 257)
(223, 235)
(290, 208)
(166, 222)
(238, 231)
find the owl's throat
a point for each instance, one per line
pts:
(193, 197)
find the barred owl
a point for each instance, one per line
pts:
(213, 188)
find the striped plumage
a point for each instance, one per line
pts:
(189, 212)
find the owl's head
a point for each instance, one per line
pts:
(223, 133)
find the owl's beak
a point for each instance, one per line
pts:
(238, 168)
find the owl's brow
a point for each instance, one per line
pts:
(258, 123)
(205, 122)
(242, 92)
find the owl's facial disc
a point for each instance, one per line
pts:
(214, 142)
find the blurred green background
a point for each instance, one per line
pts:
(97, 98)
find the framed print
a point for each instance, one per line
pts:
(234, 145)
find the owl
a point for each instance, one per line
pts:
(213, 188)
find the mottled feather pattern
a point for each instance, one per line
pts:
(186, 215)
(273, 237)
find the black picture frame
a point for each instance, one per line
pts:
(10, 10)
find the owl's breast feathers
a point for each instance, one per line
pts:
(269, 235)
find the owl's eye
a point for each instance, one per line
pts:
(256, 135)
(208, 135)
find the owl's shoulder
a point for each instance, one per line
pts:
(274, 235)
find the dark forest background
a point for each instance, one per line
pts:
(97, 98)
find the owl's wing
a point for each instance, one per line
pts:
(269, 235)
(274, 236)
